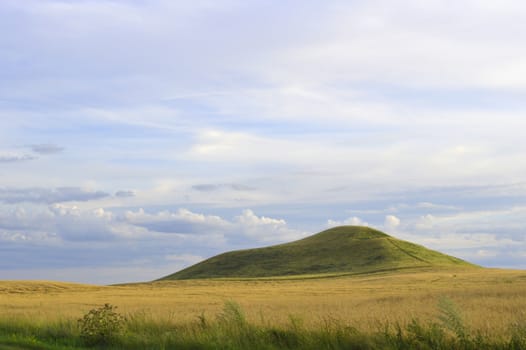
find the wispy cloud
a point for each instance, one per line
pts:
(47, 148)
(125, 194)
(16, 158)
(216, 187)
(48, 196)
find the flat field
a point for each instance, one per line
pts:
(489, 300)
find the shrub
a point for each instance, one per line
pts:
(101, 326)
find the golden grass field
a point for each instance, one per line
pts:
(490, 299)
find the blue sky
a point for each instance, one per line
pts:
(138, 137)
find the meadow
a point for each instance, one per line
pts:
(434, 308)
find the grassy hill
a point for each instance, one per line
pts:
(345, 249)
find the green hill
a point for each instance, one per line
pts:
(345, 249)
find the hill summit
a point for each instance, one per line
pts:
(344, 249)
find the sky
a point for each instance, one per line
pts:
(140, 137)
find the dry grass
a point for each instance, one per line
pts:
(490, 299)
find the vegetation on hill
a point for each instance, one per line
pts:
(344, 249)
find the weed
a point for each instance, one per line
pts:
(101, 326)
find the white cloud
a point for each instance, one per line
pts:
(481, 236)
(59, 223)
(184, 258)
(181, 221)
(509, 222)
(247, 225)
(62, 230)
(391, 222)
(71, 223)
(353, 221)
(265, 229)
(249, 219)
(425, 222)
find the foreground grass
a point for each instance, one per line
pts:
(231, 330)
(399, 310)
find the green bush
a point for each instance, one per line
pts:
(101, 326)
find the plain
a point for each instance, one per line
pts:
(490, 301)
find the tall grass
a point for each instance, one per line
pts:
(404, 310)
(229, 329)
(489, 303)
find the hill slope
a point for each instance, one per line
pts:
(344, 249)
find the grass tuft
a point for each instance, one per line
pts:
(451, 318)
